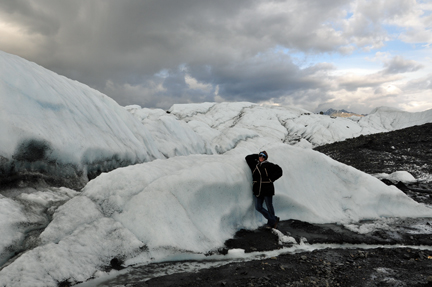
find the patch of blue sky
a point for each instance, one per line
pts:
(357, 60)
(164, 73)
(426, 13)
(280, 48)
(349, 14)
(399, 47)
(394, 30)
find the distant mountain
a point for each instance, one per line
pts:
(341, 113)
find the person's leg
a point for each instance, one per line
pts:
(269, 203)
(259, 207)
(259, 203)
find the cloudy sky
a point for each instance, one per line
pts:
(314, 54)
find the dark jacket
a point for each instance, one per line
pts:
(263, 175)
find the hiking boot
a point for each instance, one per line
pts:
(276, 223)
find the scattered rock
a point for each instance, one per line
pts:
(116, 264)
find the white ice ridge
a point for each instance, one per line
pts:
(225, 124)
(68, 132)
(64, 129)
(193, 204)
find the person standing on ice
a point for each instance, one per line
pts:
(264, 173)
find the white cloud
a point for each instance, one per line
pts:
(195, 85)
(388, 90)
(16, 41)
(416, 18)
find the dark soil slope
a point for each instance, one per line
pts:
(407, 149)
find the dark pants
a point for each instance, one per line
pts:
(268, 213)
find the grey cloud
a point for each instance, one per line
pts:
(264, 78)
(95, 41)
(160, 91)
(376, 11)
(421, 84)
(384, 93)
(176, 83)
(32, 16)
(399, 65)
(261, 78)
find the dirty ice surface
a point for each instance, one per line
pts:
(189, 189)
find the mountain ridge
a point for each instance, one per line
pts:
(341, 113)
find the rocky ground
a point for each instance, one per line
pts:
(408, 149)
(376, 265)
(373, 266)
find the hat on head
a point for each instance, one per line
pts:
(264, 154)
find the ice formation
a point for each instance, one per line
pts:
(189, 188)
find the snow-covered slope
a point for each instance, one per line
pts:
(149, 211)
(388, 119)
(172, 137)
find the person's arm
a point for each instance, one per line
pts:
(275, 171)
(252, 160)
